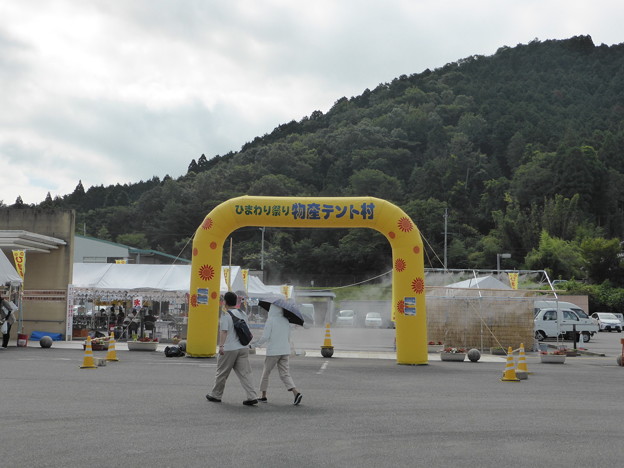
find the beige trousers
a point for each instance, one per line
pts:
(237, 360)
(282, 366)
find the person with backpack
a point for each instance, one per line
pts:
(233, 355)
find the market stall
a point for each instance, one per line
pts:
(98, 287)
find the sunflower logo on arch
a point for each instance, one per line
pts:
(405, 224)
(418, 285)
(206, 272)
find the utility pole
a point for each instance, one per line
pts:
(445, 234)
(262, 251)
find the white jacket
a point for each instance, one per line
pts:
(276, 333)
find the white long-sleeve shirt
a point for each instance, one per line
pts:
(276, 333)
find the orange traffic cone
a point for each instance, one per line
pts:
(112, 354)
(327, 350)
(522, 372)
(510, 371)
(88, 361)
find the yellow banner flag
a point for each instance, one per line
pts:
(513, 280)
(19, 256)
(226, 276)
(286, 290)
(245, 275)
(121, 261)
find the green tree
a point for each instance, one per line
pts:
(558, 257)
(137, 240)
(373, 182)
(602, 259)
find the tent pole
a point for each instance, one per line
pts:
(230, 275)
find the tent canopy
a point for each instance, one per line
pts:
(117, 281)
(484, 282)
(8, 274)
(487, 285)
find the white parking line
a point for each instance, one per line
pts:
(323, 367)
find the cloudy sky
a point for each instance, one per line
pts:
(118, 91)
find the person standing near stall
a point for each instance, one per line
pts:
(7, 317)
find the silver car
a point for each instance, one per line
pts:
(607, 321)
(345, 318)
(373, 320)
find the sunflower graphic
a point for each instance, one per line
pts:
(418, 285)
(401, 306)
(194, 300)
(400, 264)
(206, 272)
(207, 224)
(405, 224)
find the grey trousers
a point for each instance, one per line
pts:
(282, 367)
(237, 360)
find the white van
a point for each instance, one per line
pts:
(551, 322)
(560, 305)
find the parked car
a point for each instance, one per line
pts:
(373, 320)
(607, 321)
(551, 322)
(345, 318)
(559, 305)
(620, 318)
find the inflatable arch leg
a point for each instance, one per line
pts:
(408, 287)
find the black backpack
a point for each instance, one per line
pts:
(242, 330)
(173, 351)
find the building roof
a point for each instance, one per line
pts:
(29, 241)
(136, 252)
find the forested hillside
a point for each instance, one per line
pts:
(524, 148)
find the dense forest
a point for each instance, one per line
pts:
(523, 150)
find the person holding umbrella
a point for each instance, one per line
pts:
(277, 337)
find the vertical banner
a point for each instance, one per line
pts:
(19, 256)
(226, 275)
(513, 280)
(137, 302)
(286, 291)
(245, 275)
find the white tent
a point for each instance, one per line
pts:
(256, 288)
(475, 285)
(8, 275)
(113, 281)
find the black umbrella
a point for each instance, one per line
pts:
(291, 310)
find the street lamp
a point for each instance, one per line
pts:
(498, 257)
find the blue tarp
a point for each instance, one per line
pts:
(37, 335)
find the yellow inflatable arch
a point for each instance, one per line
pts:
(408, 287)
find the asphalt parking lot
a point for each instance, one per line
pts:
(149, 410)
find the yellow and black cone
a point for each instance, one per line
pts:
(112, 354)
(510, 369)
(88, 362)
(327, 350)
(522, 372)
